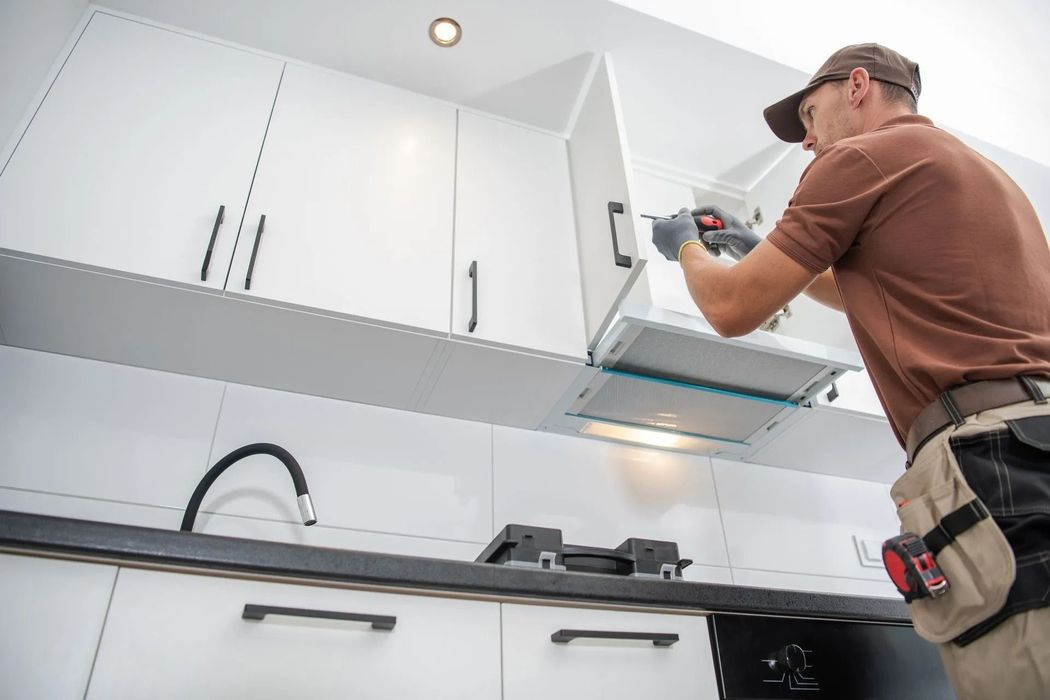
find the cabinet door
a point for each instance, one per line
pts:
(51, 617)
(534, 666)
(144, 135)
(356, 184)
(183, 636)
(516, 275)
(662, 279)
(601, 188)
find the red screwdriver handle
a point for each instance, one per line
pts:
(709, 223)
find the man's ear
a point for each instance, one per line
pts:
(858, 85)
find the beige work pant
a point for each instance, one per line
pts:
(1011, 662)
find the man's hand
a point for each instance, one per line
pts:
(669, 235)
(735, 240)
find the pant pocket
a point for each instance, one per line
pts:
(978, 564)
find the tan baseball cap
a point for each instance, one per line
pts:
(881, 63)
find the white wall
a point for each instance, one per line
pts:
(99, 441)
(32, 32)
(983, 64)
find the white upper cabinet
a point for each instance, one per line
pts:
(356, 186)
(599, 163)
(516, 275)
(141, 139)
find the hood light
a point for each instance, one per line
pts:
(640, 436)
(445, 31)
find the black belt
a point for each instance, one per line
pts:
(952, 407)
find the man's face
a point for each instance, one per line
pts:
(825, 113)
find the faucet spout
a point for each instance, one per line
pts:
(306, 506)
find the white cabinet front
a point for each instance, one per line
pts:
(356, 186)
(599, 163)
(516, 275)
(141, 139)
(183, 636)
(51, 619)
(568, 653)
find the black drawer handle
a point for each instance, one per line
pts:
(473, 272)
(621, 260)
(659, 639)
(211, 243)
(255, 251)
(258, 612)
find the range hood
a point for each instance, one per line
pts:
(668, 379)
(657, 376)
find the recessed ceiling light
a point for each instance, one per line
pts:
(445, 31)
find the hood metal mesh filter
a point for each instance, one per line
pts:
(669, 406)
(657, 353)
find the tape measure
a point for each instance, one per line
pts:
(912, 568)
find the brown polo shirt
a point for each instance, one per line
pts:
(939, 257)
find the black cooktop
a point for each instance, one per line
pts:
(543, 548)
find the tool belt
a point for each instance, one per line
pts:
(973, 546)
(910, 560)
(952, 407)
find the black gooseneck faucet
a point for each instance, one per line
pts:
(306, 505)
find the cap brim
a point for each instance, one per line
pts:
(782, 117)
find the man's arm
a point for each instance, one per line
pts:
(824, 290)
(736, 300)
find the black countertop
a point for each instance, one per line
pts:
(124, 543)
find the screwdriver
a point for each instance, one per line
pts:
(704, 222)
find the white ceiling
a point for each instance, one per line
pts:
(689, 101)
(983, 63)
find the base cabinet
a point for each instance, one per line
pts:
(602, 665)
(181, 636)
(50, 622)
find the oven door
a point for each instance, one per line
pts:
(759, 657)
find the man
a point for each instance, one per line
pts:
(940, 264)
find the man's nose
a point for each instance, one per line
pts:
(809, 143)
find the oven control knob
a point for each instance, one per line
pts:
(790, 659)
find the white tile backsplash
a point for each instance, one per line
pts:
(98, 441)
(87, 428)
(368, 468)
(798, 522)
(600, 493)
(814, 584)
(335, 538)
(90, 509)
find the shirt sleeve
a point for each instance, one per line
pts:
(834, 197)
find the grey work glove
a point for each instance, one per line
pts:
(735, 240)
(669, 235)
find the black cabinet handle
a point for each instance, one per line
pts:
(258, 612)
(211, 243)
(659, 639)
(621, 260)
(255, 251)
(473, 272)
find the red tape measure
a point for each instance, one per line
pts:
(912, 568)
